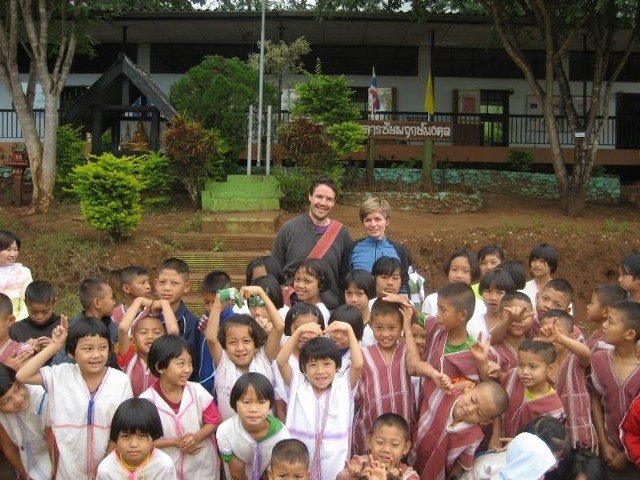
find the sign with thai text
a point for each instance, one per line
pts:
(397, 130)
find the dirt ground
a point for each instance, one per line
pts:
(589, 247)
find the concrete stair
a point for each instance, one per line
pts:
(227, 241)
(223, 242)
(261, 222)
(241, 193)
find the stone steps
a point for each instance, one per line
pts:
(241, 222)
(230, 237)
(224, 242)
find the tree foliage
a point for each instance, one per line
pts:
(325, 99)
(322, 133)
(70, 153)
(556, 25)
(217, 93)
(50, 32)
(281, 60)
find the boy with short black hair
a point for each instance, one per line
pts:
(615, 377)
(558, 293)
(385, 384)
(134, 282)
(446, 348)
(519, 326)
(96, 298)
(388, 442)
(602, 299)
(454, 422)
(573, 359)
(530, 394)
(171, 284)
(37, 328)
(289, 459)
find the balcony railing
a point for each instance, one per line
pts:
(476, 129)
(513, 130)
(10, 129)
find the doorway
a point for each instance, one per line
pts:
(628, 120)
(494, 116)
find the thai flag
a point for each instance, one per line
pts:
(374, 100)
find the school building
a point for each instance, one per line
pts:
(478, 89)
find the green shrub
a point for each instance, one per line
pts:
(306, 143)
(152, 169)
(295, 183)
(70, 153)
(196, 154)
(109, 194)
(520, 161)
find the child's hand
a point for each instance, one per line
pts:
(338, 327)
(407, 314)
(493, 370)
(202, 322)
(607, 452)
(263, 321)
(59, 334)
(549, 333)
(309, 329)
(41, 343)
(498, 444)
(395, 298)
(517, 313)
(619, 461)
(249, 290)
(442, 381)
(146, 302)
(189, 445)
(377, 470)
(480, 350)
(18, 359)
(354, 467)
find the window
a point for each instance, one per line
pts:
(170, 58)
(358, 60)
(581, 67)
(482, 63)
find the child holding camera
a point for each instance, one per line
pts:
(241, 344)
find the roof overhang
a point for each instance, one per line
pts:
(238, 28)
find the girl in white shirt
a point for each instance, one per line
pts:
(135, 426)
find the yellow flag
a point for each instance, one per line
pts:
(429, 101)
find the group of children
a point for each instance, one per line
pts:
(375, 389)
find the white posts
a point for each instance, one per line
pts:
(250, 140)
(268, 159)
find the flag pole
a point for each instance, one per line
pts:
(370, 141)
(427, 149)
